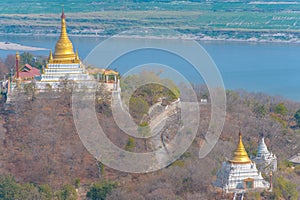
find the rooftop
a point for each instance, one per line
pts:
(295, 159)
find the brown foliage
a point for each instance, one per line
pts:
(42, 146)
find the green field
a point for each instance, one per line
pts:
(217, 19)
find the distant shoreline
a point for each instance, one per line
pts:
(19, 47)
(184, 37)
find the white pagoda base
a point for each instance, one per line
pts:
(233, 177)
(55, 74)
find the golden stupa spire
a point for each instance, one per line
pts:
(64, 52)
(240, 155)
(76, 55)
(50, 59)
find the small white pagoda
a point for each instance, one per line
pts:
(240, 174)
(266, 161)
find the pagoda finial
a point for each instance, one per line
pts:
(76, 55)
(63, 13)
(240, 154)
(17, 55)
(17, 63)
(239, 124)
(50, 56)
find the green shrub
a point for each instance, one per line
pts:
(278, 119)
(253, 195)
(138, 107)
(99, 191)
(45, 192)
(130, 144)
(77, 182)
(68, 192)
(297, 170)
(280, 109)
(297, 117)
(9, 189)
(284, 188)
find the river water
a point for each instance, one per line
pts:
(272, 68)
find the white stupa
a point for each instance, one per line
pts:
(240, 174)
(266, 161)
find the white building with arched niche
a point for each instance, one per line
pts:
(240, 173)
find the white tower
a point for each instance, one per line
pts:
(266, 161)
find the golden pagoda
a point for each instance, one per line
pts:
(240, 154)
(63, 63)
(64, 52)
(240, 174)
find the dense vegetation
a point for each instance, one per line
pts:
(10, 189)
(64, 169)
(142, 98)
(100, 191)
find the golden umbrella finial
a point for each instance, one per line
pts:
(240, 156)
(63, 13)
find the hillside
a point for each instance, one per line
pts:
(40, 145)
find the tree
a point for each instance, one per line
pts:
(29, 191)
(99, 191)
(138, 107)
(9, 189)
(103, 100)
(280, 109)
(77, 182)
(10, 61)
(297, 170)
(286, 189)
(27, 58)
(297, 117)
(34, 61)
(45, 192)
(68, 192)
(155, 87)
(130, 144)
(30, 90)
(3, 68)
(259, 110)
(40, 61)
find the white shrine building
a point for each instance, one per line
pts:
(240, 173)
(266, 161)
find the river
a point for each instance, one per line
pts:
(271, 68)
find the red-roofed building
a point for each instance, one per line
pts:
(28, 72)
